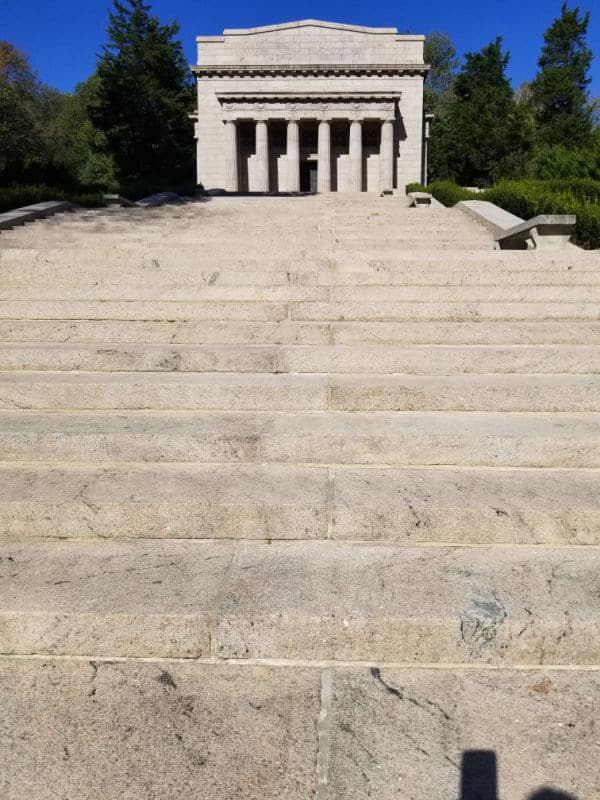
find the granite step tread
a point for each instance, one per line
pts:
(370, 438)
(370, 730)
(47, 390)
(120, 334)
(277, 501)
(301, 600)
(22, 281)
(297, 311)
(134, 293)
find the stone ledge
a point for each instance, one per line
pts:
(546, 231)
(20, 216)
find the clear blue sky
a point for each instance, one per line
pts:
(63, 37)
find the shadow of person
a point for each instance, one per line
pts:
(479, 779)
(478, 775)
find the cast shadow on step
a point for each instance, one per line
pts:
(479, 779)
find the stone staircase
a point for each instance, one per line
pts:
(299, 498)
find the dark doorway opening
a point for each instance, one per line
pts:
(308, 176)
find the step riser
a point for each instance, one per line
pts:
(20, 282)
(407, 506)
(434, 360)
(294, 294)
(311, 393)
(402, 605)
(527, 440)
(473, 334)
(298, 312)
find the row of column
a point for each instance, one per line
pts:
(386, 156)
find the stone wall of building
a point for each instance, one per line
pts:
(308, 72)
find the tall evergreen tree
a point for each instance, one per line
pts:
(560, 89)
(483, 134)
(143, 97)
(440, 54)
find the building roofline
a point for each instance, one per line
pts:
(315, 23)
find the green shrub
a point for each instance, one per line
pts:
(529, 198)
(449, 193)
(415, 187)
(16, 196)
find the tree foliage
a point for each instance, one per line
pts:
(440, 54)
(20, 123)
(483, 133)
(560, 89)
(143, 98)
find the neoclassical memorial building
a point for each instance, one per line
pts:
(310, 106)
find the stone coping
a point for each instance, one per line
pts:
(20, 216)
(547, 231)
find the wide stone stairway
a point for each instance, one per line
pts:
(299, 498)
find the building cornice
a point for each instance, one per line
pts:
(309, 70)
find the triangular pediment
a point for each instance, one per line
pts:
(307, 23)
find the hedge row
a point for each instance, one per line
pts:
(16, 196)
(528, 198)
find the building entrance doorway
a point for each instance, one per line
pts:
(308, 176)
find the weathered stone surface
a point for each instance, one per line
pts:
(464, 393)
(340, 358)
(461, 312)
(166, 501)
(430, 604)
(172, 391)
(468, 506)
(110, 598)
(88, 729)
(468, 439)
(419, 734)
(486, 332)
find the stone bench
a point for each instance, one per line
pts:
(546, 232)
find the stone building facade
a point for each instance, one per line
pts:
(310, 106)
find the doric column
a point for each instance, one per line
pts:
(293, 156)
(386, 156)
(355, 156)
(231, 156)
(262, 156)
(324, 157)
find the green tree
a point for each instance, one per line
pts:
(79, 146)
(440, 54)
(20, 90)
(484, 133)
(560, 89)
(143, 98)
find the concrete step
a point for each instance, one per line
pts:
(433, 311)
(298, 293)
(174, 256)
(168, 501)
(316, 358)
(346, 731)
(386, 603)
(370, 438)
(209, 391)
(26, 283)
(297, 311)
(112, 333)
(458, 505)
